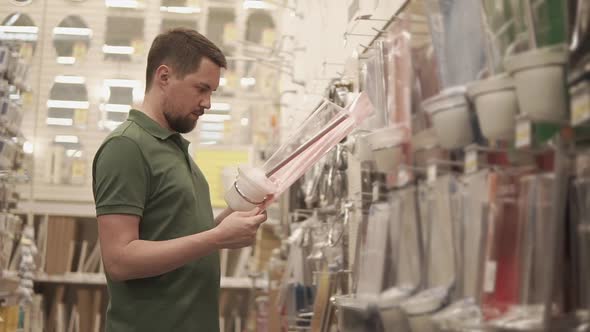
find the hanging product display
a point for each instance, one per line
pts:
(322, 130)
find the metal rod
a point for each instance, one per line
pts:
(307, 144)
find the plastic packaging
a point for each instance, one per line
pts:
(535, 206)
(373, 79)
(319, 133)
(458, 40)
(372, 260)
(329, 119)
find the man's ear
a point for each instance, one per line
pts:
(162, 76)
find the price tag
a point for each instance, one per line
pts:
(490, 277)
(268, 37)
(138, 46)
(78, 169)
(471, 161)
(230, 33)
(580, 109)
(523, 134)
(79, 50)
(80, 117)
(431, 173)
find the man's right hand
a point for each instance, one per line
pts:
(239, 229)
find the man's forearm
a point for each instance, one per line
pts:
(223, 215)
(142, 259)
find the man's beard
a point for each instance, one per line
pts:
(176, 122)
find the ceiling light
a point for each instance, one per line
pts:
(122, 3)
(66, 60)
(221, 107)
(222, 81)
(70, 79)
(116, 108)
(59, 121)
(110, 49)
(18, 29)
(66, 139)
(209, 143)
(28, 147)
(214, 135)
(247, 81)
(72, 31)
(180, 10)
(122, 83)
(68, 104)
(255, 4)
(73, 153)
(215, 117)
(212, 126)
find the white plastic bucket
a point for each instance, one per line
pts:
(496, 106)
(540, 78)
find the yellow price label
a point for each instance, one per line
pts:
(80, 117)
(78, 168)
(138, 46)
(79, 50)
(26, 51)
(580, 109)
(193, 3)
(230, 33)
(268, 37)
(523, 134)
(471, 161)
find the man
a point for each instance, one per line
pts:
(156, 229)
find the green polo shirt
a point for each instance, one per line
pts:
(144, 169)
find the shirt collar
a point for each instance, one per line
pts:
(154, 129)
(149, 125)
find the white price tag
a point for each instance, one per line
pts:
(580, 109)
(471, 161)
(490, 277)
(431, 173)
(523, 134)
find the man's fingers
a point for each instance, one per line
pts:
(250, 213)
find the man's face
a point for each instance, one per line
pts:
(186, 99)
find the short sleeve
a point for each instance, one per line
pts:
(120, 178)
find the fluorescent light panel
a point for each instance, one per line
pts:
(214, 118)
(66, 139)
(19, 29)
(110, 49)
(122, 83)
(66, 79)
(66, 60)
(71, 104)
(59, 122)
(115, 108)
(72, 31)
(73, 153)
(247, 81)
(222, 107)
(180, 10)
(122, 3)
(255, 4)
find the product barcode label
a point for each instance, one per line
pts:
(580, 109)
(490, 277)
(431, 173)
(523, 134)
(471, 161)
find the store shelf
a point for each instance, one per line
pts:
(98, 279)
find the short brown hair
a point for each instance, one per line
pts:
(182, 50)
